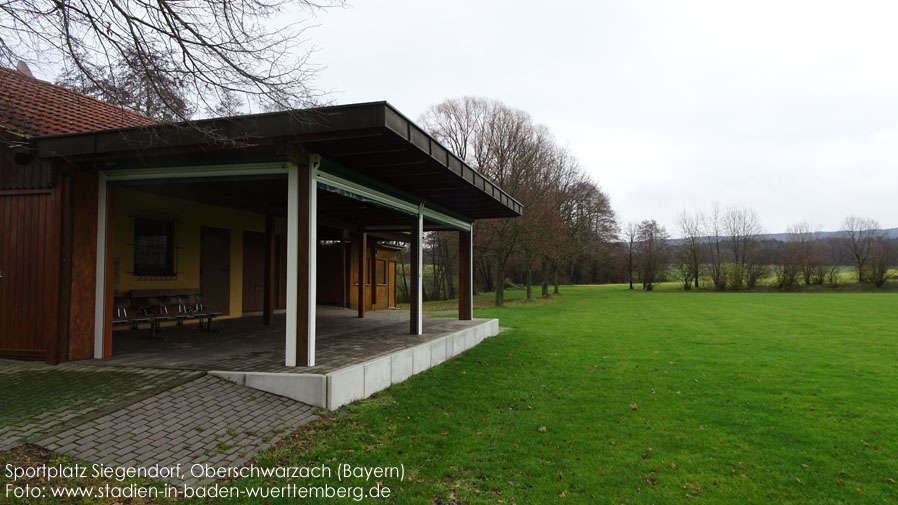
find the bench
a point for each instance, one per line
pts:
(157, 306)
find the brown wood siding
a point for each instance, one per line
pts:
(29, 262)
(281, 261)
(253, 270)
(215, 268)
(330, 275)
(84, 267)
(35, 174)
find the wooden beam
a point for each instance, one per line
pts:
(269, 282)
(302, 242)
(363, 270)
(465, 276)
(59, 348)
(346, 271)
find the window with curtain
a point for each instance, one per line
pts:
(154, 248)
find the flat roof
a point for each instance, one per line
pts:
(373, 140)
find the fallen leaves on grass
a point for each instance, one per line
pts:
(633, 406)
(542, 429)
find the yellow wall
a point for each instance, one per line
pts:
(190, 216)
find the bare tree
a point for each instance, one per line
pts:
(683, 265)
(742, 228)
(690, 253)
(859, 234)
(208, 48)
(568, 219)
(714, 230)
(808, 252)
(631, 232)
(158, 96)
(835, 254)
(882, 257)
(651, 247)
(499, 144)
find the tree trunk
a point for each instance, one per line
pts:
(529, 283)
(555, 279)
(545, 279)
(500, 285)
(447, 272)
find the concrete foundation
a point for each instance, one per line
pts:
(338, 387)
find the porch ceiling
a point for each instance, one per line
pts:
(269, 196)
(373, 140)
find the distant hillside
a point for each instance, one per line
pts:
(782, 237)
(890, 232)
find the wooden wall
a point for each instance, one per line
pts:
(30, 227)
(84, 266)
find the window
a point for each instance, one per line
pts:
(154, 248)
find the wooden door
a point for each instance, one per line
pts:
(391, 285)
(215, 268)
(29, 266)
(253, 271)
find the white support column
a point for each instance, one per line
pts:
(312, 267)
(292, 261)
(419, 280)
(100, 300)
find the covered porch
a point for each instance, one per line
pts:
(356, 357)
(167, 219)
(245, 344)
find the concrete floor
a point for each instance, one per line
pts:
(246, 344)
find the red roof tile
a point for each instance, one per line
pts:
(32, 108)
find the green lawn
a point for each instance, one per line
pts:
(645, 398)
(602, 395)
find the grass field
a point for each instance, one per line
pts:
(602, 395)
(645, 398)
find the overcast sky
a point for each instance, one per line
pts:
(787, 107)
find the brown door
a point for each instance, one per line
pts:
(215, 268)
(29, 273)
(253, 271)
(391, 285)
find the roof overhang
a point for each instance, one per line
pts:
(372, 142)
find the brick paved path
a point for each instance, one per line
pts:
(208, 420)
(80, 391)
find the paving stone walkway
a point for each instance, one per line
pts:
(206, 421)
(78, 392)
